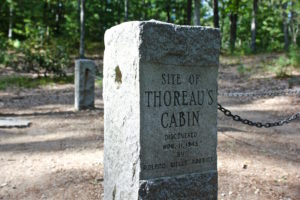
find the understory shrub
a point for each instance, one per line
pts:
(40, 54)
(281, 67)
(294, 56)
(3, 49)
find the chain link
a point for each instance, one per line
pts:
(258, 124)
(269, 93)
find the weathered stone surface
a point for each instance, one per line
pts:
(170, 44)
(183, 187)
(84, 84)
(121, 112)
(160, 101)
(178, 121)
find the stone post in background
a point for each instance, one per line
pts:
(160, 120)
(84, 84)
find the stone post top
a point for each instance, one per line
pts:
(83, 60)
(153, 22)
(166, 43)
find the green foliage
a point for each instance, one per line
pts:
(27, 82)
(99, 79)
(40, 54)
(99, 82)
(243, 70)
(270, 23)
(46, 29)
(281, 67)
(294, 56)
(3, 49)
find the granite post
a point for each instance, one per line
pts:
(84, 84)
(160, 102)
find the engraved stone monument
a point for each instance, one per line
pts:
(160, 102)
(84, 84)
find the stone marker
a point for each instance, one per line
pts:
(9, 122)
(160, 102)
(84, 84)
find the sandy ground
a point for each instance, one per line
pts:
(60, 155)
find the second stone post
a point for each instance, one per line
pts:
(84, 84)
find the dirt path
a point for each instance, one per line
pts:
(60, 155)
(258, 163)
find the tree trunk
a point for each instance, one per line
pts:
(126, 11)
(233, 25)
(10, 25)
(223, 15)
(253, 26)
(285, 26)
(45, 17)
(145, 6)
(82, 28)
(216, 14)
(78, 11)
(294, 26)
(168, 11)
(59, 16)
(119, 10)
(197, 12)
(189, 12)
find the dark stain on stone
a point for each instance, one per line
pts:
(86, 78)
(118, 72)
(114, 193)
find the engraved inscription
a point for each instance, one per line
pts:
(180, 163)
(180, 102)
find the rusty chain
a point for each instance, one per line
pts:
(269, 93)
(258, 124)
(266, 93)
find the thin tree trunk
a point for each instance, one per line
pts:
(285, 27)
(119, 9)
(78, 11)
(223, 15)
(168, 12)
(167, 6)
(189, 12)
(216, 14)
(233, 25)
(126, 11)
(294, 26)
(197, 12)
(82, 28)
(45, 17)
(253, 26)
(58, 16)
(11, 15)
(145, 6)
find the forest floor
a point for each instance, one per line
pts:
(61, 155)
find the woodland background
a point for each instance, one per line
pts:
(43, 36)
(60, 156)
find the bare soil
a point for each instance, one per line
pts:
(61, 155)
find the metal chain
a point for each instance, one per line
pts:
(269, 93)
(258, 124)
